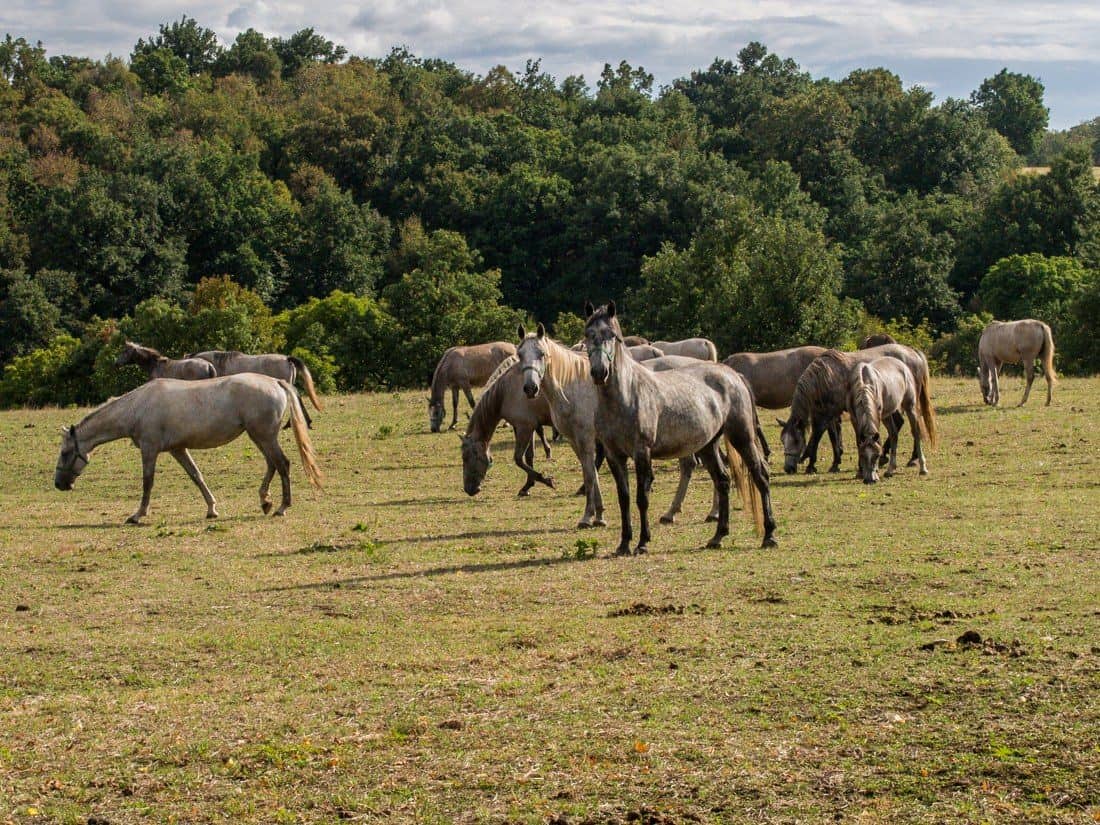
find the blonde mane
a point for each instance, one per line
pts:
(502, 368)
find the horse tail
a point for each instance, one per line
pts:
(1046, 353)
(301, 434)
(750, 496)
(927, 411)
(300, 366)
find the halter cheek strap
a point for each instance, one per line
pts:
(609, 352)
(76, 448)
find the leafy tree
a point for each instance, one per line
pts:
(251, 54)
(305, 47)
(1033, 286)
(1013, 105)
(27, 317)
(161, 70)
(902, 269)
(441, 301)
(197, 47)
(748, 281)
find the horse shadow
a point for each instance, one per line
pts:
(431, 572)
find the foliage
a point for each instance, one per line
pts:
(27, 317)
(1032, 286)
(957, 352)
(1013, 105)
(41, 377)
(568, 328)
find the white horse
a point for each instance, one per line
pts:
(877, 390)
(174, 416)
(701, 348)
(1014, 342)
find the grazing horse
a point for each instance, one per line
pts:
(156, 365)
(821, 395)
(877, 340)
(462, 368)
(673, 414)
(772, 377)
(503, 399)
(878, 390)
(169, 415)
(284, 367)
(701, 348)
(1014, 342)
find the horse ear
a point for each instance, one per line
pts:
(610, 309)
(521, 332)
(540, 331)
(588, 308)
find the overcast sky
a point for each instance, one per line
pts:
(947, 47)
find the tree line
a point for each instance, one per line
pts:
(278, 193)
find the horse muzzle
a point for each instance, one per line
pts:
(531, 389)
(63, 484)
(472, 489)
(790, 465)
(599, 374)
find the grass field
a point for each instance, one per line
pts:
(393, 651)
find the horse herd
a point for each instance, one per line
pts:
(613, 397)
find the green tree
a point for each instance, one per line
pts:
(251, 54)
(27, 317)
(185, 39)
(1033, 286)
(305, 47)
(1013, 105)
(160, 70)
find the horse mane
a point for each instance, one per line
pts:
(437, 374)
(486, 414)
(823, 386)
(865, 409)
(144, 355)
(502, 368)
(569, 368)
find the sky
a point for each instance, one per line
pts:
(946, 47)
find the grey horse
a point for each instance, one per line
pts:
(1014, 342)
(156, 365)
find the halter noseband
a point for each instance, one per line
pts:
(76, 450)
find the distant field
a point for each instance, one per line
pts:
(1042, 170)
(394, 651)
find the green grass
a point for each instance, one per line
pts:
(394, 651)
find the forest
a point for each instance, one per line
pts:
(279, 194)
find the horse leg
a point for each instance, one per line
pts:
(836, 438)
(763, 441)
(1029, 371)
(469, 395)
(454, 408)
(643, 480)
(995, 382)
(761, 477)
(720, 477)
(1049, 376)
(892, 430)
(184, 458)
(542, 438)
(687, 467)
(617, 465)
(148, 471)
(918, 446)
(811, 448)
(593, 511)
(524, 456)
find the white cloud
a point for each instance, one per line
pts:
(576, 37)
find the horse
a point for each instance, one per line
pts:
(503, 399)
(156, 365)
(284, 367)
(821, 395)
(772, 377)
(677, 413)
(1014, 342)
(629, 340)
(174, 416)
(645, 352)
(878, 390)
(462, 368)
(877, 340)
(701, 348)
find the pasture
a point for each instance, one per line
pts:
(394, 651)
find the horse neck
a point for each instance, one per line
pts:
(439, 378)
(486, 414)
(865, 410)
(565, 369)
(621, 388)
(107, 422)
(800, 405)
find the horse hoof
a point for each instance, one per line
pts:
(584, 525)
(599, 523)
(622, 550)
(133, 520)
(280, 513)
(811, 471)
(835, 468)
(580, 491)
(912, 463)
(641, 550)
(212, 514)
(710, 517)
(769, 542)
(667, 519)
(924, 472)
(550, 482)
(523, 493)
(265, 506)
(714, 544)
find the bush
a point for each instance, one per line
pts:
(919, 336)
(1078, 348)
(41, 376)
(322, 368)
(957, 353)
(1032, 286)
(568, 328)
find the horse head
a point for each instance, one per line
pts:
(533, 359)
(793, 437)
(601, 334)
(476, 461)
(70, 462)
